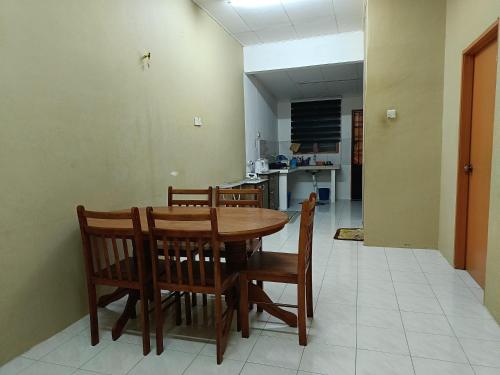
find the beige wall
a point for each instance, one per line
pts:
(465, 21)
(404, 70)
(81, 121)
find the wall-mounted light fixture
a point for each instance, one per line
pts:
(146, 59)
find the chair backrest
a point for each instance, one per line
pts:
(112, 246)
(238, 197)
(306, 233)
(203, 199)
(181, 270)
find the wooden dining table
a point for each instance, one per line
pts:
(236, 226)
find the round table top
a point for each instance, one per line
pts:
(235, 223)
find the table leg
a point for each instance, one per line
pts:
(236, 255)
(128, 312)
(117, 294)
(260, 297)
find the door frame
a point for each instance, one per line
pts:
(352, 146)
(464, 141)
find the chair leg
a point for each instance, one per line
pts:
(301, 315)
(94, 324)
(205, 301)
(194, 299)
(244, 306)
(236, 303)
(187, 301)
(218, 327)
(133, 314)
(159, 322)
(178, 312)
(309, 293)
(238, 318)
(146, 345)
(260, 284)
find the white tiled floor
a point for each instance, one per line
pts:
(377, 311)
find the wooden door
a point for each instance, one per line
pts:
(357, 155)
(480, 71)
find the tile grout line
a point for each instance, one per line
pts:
(445, 315)
(250, 352)
(471, 288)
(40, 360)
(356, 318)
(399, 310)
(192, 361)
(316, 306)
(267, 321)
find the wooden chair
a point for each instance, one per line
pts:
(285, 268)
(238, 197)
(241, 198)
(188, 274)
(204, 198)
(114, 256)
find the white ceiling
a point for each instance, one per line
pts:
(285, 19)
(321, 81)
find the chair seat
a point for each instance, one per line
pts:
(183, 247)
(123, 270)
(272, 266)
(132, 264)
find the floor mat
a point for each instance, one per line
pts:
(350, 234)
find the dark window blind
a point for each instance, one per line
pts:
(316, 122)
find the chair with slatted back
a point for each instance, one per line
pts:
(241, 198)
(238, 197)
(192, 273)
(190, 198)
(285, 268)
(114, 256)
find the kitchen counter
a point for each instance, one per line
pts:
(271, 171)
(318, 167)
(306, 168)
(246, 181)
(283, 180)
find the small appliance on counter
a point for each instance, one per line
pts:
(261, 166)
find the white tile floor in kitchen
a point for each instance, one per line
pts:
(377, 311)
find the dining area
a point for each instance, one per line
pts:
(197, 263)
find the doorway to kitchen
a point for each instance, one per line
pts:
(357, 155)
(475, 154)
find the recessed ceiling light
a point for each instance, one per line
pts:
(252, 3)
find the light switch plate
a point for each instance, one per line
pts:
(198, 121)
(391, 114)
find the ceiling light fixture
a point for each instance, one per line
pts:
(252, 3)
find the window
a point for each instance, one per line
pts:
(316, 126)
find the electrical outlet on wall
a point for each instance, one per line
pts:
(198, 121)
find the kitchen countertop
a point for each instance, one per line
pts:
(246, 181)
(271, 171)
(307, 168)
